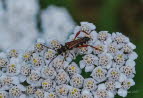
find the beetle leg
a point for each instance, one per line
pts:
(83, 46)
(76, 35)
(64, 59)
(52, 59)
(79, 33)
(86, 32)
(89, 46)
(46, 46)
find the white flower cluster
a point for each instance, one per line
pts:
(40, 72)
(56, 21)
(18, 24)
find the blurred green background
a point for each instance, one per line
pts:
(115, 16)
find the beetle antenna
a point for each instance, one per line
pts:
(53, 59)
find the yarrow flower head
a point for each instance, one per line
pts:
(104, 37)
(3, 60)
(48, 72)
(3, 94)
(48, 85)
(50, 95)
(101, 67)
(55, 44)
(16, 91)
(74, 93)
(99, 74)
(105, 60)
(27, 56)
(60, 63)
(87, 27)
(86, 94)
(90, 84)
(62, 77)
(73, 69)
(12, 53)
(49, 54)
(34, 78)
(89, 62)
(77, 81)
(62, 91)
(39, 93)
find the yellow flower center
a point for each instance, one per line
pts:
(14, 51)
(51, 95)
(12, 65)
(73, 67)
(114, 73)
(50, 52)
(45, 83)
(120, 56)
(75, 90)
(26, 56)
(90, 82)
(99, 71)
(129, 83)
(38, 45)
(35, 60)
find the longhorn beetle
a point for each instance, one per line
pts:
(76, 43)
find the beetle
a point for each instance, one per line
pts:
(76, 43)
(73, 44)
